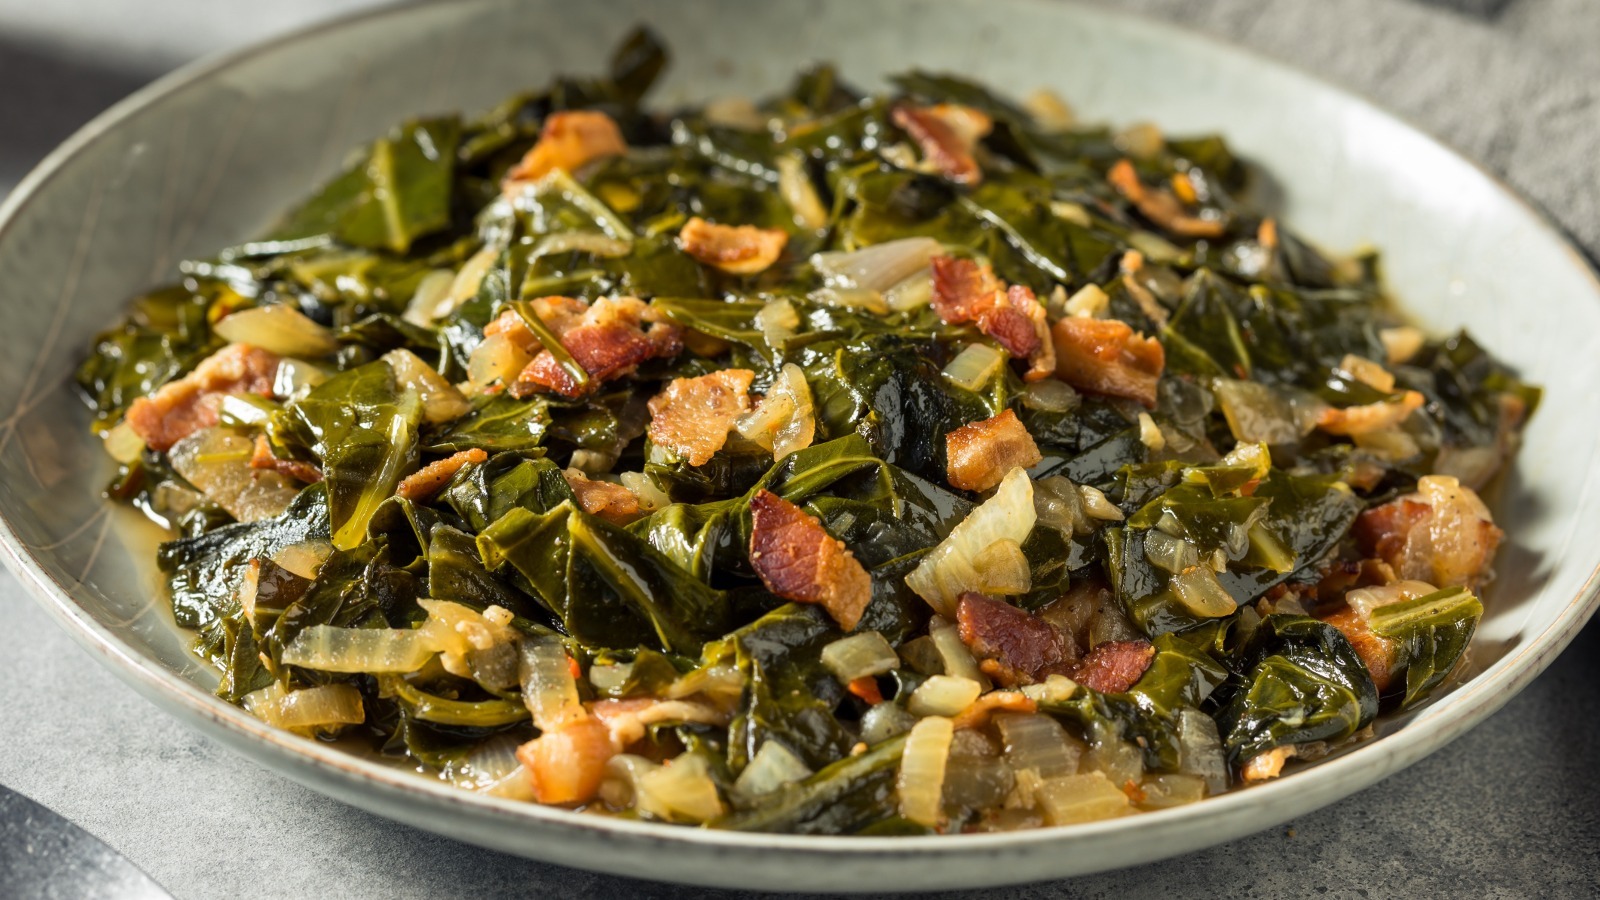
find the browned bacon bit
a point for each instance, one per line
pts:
(977, 714)
(264, 458)
(1442, 534)
(182, 407)
(612, 502)
(691, 416)
(1342, 576)
(1014, 646)
(1106, 356)
(1370, 417)
(948, 134)
(1377, 651)
(568, 140)
(735, 249)
(1159, 206)
(799, 561)
(962, 288)
(965, 290)
(431, 478)
(604, 338)
(1114, 666)
(979, 454)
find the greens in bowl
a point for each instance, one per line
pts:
(835, 464)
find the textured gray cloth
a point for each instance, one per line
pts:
(1507, 810)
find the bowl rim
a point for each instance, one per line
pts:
(1435, 725)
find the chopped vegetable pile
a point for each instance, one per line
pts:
(846, 464)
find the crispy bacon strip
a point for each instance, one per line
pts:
(1013, 645)
(605, 338)
(612, 502)
(967, 291)
(1443, 534)
(182, 407)
(948, 134)
(979, 454)
(431, 478)
(1106, 356)
(735, 249)
(1114, 666)
(568, 140)
(567, 763)
(264, 458)
(1370, 417)
(799, 561)
(691, 416)
(1159, 206)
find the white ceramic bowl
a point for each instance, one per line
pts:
(208, 156)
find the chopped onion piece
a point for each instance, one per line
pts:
(773, 766)
(468, 280)
(1098, 506)
(1002, 569)
(1141, 140)
(1365, 600)
(441, 402)
(777, 321)
(651, 497)
(884, 721)
(943, 695)
(851, 298)
(313, 707)
(785, 420)
(351, 650)
(123, 444)
(878, 267)
(1070, 212)
(610, 678)
(1037, 742)
(217, 461)
(735, 112)
(1150, 433)
(1058, 505)
(1199, 592)
(1369, 373)
(1260, 413)
(921, 780)
(1167, 791)
(1200, 750)
(915, 292)
(1401, 343)
(680, 791)
(1050, 395)
(1169, 554)
(957, 659)
(548, 688)
(1081, 798)
(1154, 247)
(1048, 110)
(1119, 760)
(620, 786)
(433, 292)
(975, 366)
(794, 183)
(948, 570)
(860, 655)
(497, 359)
(278, 329)
(304, 558)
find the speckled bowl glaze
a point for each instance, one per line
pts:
(206, 157)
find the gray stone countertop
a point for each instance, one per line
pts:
(1511, 809)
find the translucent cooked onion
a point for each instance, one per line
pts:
(785, 420)
(878, 267)
(278, 329)
(1059, 505)
(217, 461)
(123, 444)
(497, 360)
(373, 650)
(1002, 569)
(773, 766)
(1169, 554)
(943, 695)
(884, 721)
(954, 656)
(1365, 600)
(620, 786)
(304, 558)
(680, 791)
(1050, 395)
(975, 782)
(1169, 790)
(948, 569)
(1199, 592)
(915, 292)
(1097, 505)
(1119, 760)
(467, 281)
(975, 366)
(794, 183)
(651, 497)
(441, 402)
(1200, 751)
(314, 707)
(1037, 742)
(295, 378)
(922, 766)
(859, 656)
(1081, 798)
(851, 298)
(1260, 413)
(778, 321)
(432, 293)
(548, 688)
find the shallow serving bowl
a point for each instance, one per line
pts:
(207, 157)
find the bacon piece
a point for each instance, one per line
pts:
(735, 249)
(1377, 651)
(612, 502)
(977, 714)
(865, 688)
(182, 407)
(568, 140)
(1159, 206)
(1370, 417)
(1014, 645)
(628, 720)
(1266, 765)
(967, 291)
(691, 416)
(567, 763)
(431, 478)
(1106, 356)
(948, 133)
(798, 560)
(605, 339)
(1114, 666)
(979, 454)
(264, 458)
(1443, 534)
